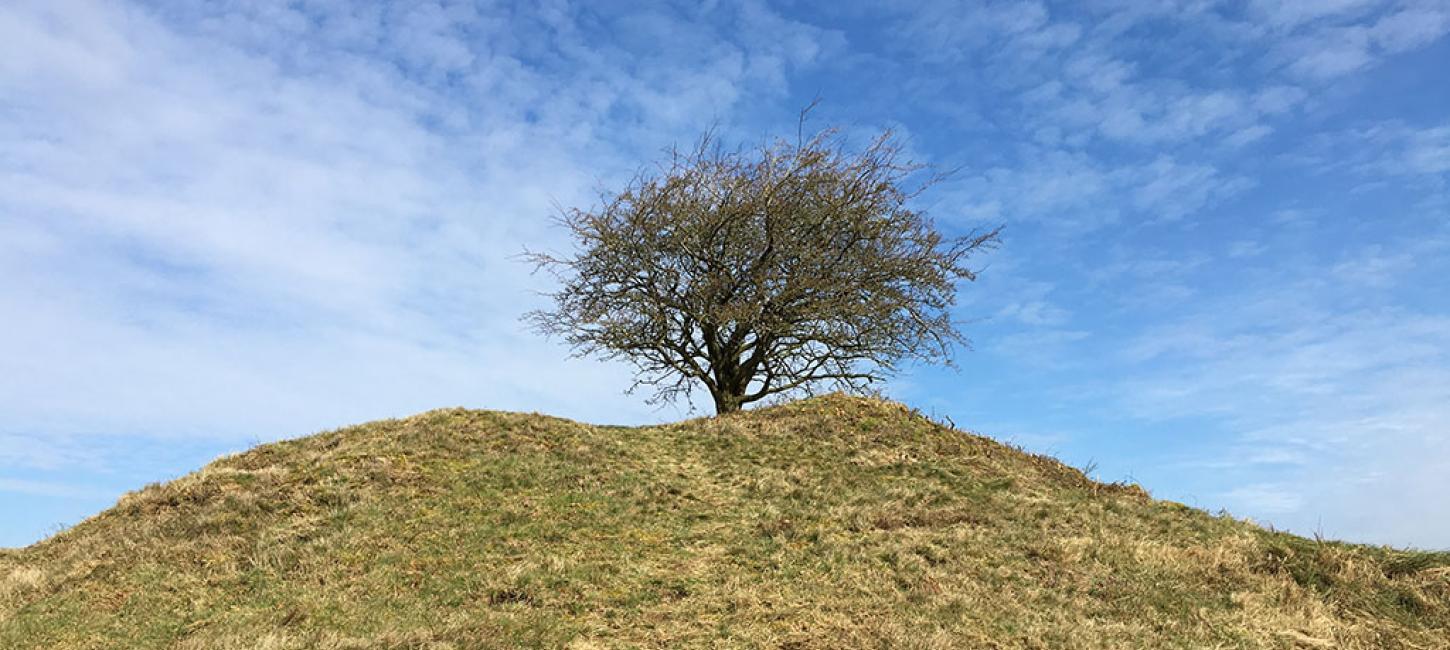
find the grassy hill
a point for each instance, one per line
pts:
(833, 522)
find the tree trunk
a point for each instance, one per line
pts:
(730, 382)
(727, 402)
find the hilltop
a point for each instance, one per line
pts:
(833, 522)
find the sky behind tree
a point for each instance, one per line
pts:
(1223, 271)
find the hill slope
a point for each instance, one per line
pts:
(828, 523)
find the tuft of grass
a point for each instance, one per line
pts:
(827, 523)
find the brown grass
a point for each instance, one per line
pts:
(834, 522)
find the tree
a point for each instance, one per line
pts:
(754, 273)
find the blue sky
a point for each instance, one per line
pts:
(1224, 277)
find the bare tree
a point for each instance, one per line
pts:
(754, 273)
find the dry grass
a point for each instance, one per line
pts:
(828, 523)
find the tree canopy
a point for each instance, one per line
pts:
(751, 273)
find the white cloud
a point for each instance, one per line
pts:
(1387, 150)
(1246, 248)
(1052, 185)
(1268, 498)
(1248, 135)
(1325, 40)
(947, 31)
(1034, 313)
(1051, 347)
(1411, 28)
(1279, 99)
(1170, 189)
(1099, 82)
(1291, 13)
(1343, 392)
(1427, 151)
(1073, 192)
(51, 489)
(1332, 53)
(273, 218)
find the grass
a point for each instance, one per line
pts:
(834, 522)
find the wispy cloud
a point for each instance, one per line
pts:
(227, 213)
(1356, 389)
(50, 489)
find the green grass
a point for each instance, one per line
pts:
(833, 522)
